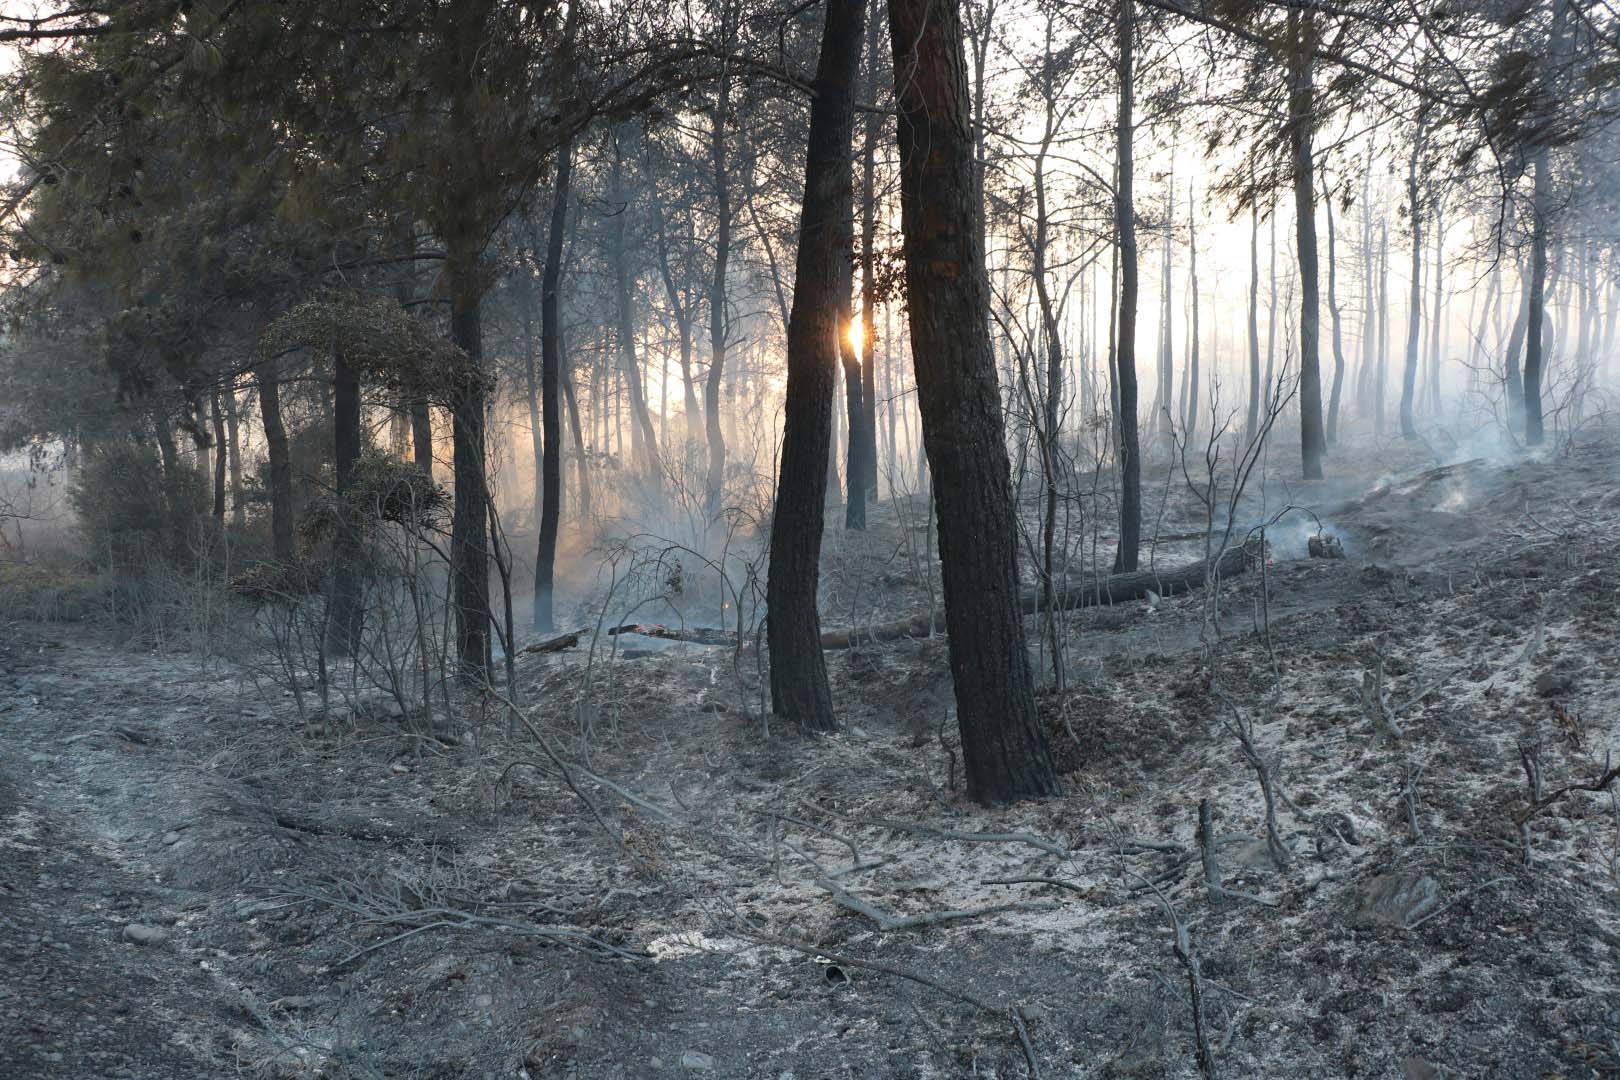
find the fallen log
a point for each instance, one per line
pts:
(1114, 589)
(696, 635)
(556, 644)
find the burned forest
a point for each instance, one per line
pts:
(846, 539)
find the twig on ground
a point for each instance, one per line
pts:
(967, 997)
(1448, 905)
(914, 922)
(1195, 981)
(1240, 726)
(1212, 869)
(1539, 802)
(951, 834)
(1059, 882)
(1409, 782)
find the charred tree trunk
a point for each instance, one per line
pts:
(1271, 317)
(1536, 301)
(799, 689)
(1437, 315)
(1251, 426)
(1414, 318)
(275, 438)
(217, 417)
(545, 559)
(643, 438)
(683, 324)
(869, 197)
(531, 384)
(1338, 328)
(343, 629)
(1368, 323)
(855, 470)
(422, 436)
(1004, 746)
(1301, 125)
(1190, 397)
(1166, 386)
(715, 481)
(581, 464)
(469, 527)
(1124, 343)
(1381, 372)
(233, 430)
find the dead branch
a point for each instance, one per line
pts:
(913, 922)
(951, 834)
(967, 997)
(1539, 802)
(1448, 905)
(854, 852)
(1130, 845)
(1195, 981)
(1409, 782)
(1206, 848)
(1218, 891)
(1059, 882)
(1240, 727)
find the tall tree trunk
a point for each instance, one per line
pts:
(1166, 425)
(1368, 315)
(469, 526)
(233, 429)
(1004, 746)
(1301, 125)
(871, 126)
(1049, 423)
(1381, 375)
(275, 437)
(1537, 300)
(715, 481)
(531, 385)
(643, 438)
(683, 323)
(1338, 327)
(1251, 426)
(1271, 317)
(1190, 396)
(799, 689)
(1437, 315)
(343, 629)
(1124, 338)
(545, 558)
(1414, 318)
(168, 453)
(217, 416)
(1490, 319)
(855, 471)
(581, 462)
(420, 412)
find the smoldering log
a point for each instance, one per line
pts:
(1113, 589)
(556, 644)
(696, 635)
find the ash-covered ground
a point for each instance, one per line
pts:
(638, 880)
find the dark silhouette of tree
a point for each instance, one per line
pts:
(799, 689)
(1003, 745)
